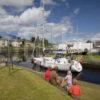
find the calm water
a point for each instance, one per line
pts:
(91, 75)
(88, 75)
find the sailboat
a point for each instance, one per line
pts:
(62, 63)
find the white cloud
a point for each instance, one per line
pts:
(66, 2)
(27, 32)
(54, 29)
(9, 28)
(63, 27)
(76, 11)
(96, 37)
(10, 23)
(2, 12)
(48, 2)
(16, 3)
(25, 24)
(33, 15)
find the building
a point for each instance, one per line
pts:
(76, 46)
(62, 46)
(16, 43)
(82, 46)
(3, 43)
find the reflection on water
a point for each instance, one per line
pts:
(91, 76)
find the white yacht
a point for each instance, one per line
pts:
(63, 64)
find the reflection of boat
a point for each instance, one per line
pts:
(63, 64)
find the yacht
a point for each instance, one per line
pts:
(63, 64)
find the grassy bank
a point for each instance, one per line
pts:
(92, 58)
(91, 61)
(21, 84)
(25, 85)
(90, 91)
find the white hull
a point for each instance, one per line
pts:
(62, 64)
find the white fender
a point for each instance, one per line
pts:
(76, 66)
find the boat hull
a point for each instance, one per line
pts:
(63, 64)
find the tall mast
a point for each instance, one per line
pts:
(62, 37)
(43, 24)
(34, 46)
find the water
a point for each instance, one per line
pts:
(88, 75)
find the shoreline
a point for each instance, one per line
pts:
(87, 89)
(91, 65)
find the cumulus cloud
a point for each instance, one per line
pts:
(47, 29)
(2, 12)
(27, 32)
(16, 3)
(9, 28)
(34, 14)
(96, 37)
(10, 23)
(33, 22)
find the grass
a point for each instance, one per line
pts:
(92, 58)
(25, 85)
(90, 91)
(22, 84)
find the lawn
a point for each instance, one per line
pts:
(90, 58)
(90, 91)
(21, 84)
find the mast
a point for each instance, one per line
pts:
(42, 20)
(34, 46)
(42, 4)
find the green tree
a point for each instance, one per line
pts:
(23, 43)
(46, 43)
(0, 37)
(33, 39)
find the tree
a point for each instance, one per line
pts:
(23, 42)
(11, 53)
(88, 41)
(46, 43)
(19, 39)
(33, 39)
(85, 51)
(0, 37)
(23, 47)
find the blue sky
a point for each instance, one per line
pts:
(87, 18)
(78, 19)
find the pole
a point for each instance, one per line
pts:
(43, 26)
(8, 57)
(62, 37)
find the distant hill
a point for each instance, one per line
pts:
(8, 36)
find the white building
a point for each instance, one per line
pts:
(82, 46)
(62, 46)
(76, 46)
(3, 43)
(16, 44)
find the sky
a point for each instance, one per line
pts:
(56, 20)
